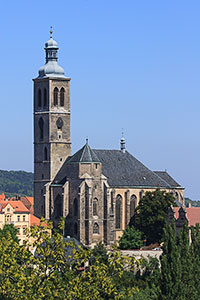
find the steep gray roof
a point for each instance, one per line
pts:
(123, 169)
(84, 155)
(165, 176)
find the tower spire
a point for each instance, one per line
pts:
(51, 32)
(123, 143)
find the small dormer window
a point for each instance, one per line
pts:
(96, 166)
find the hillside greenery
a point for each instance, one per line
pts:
(16, 183)
(194, 203)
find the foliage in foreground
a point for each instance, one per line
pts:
(60, 270)
(51, 274)
(151, 214)
(131, 239)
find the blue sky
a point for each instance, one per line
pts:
(134, 65)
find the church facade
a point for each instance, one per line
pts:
(96, 191)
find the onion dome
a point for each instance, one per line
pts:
(51, 67)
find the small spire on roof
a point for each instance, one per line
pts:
(51, 32)
(87, 140)
(123, 143)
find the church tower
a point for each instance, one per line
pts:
(52, 143)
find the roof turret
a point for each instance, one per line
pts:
(84, 155)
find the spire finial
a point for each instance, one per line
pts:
(86, 140)
(51, 32)
(123, 143)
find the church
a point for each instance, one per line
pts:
(95, 190)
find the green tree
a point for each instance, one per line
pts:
(170, 265)
(179, 267)
(9, 228)
(151, 214)
(52, 273)
(131, 239)
(100, 252)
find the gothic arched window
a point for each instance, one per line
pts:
(55, 96)
(75, 228)
(58, 207)
(141, 194)
(96, 228)
(75, 207)
(45, 97)
(95, 207)
(39, 98)
(118, 214)
(132, 205)
(45, 153)
(41, 127)
(62, 97)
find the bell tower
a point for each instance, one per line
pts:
(52, 143)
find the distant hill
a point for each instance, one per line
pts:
(16, 183)
(194, 203)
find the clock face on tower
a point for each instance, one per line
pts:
(59, 123)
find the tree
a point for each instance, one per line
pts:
(179, 266)
(131, 239)
(100, 252)
(151, 214)
(9, 228)
(51, 273)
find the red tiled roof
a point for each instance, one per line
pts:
(17, 205)
(34, 221)
(2, 197)
(192, 214)
(30, 199)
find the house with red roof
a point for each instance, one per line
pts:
(18, 211)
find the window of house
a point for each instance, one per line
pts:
(95, 207)
(96, 228)
(45, 97)
(39, 98)
(24, 218)
(8, 218)
(18, 218)
(24, 230)
(62, 97)
(118, 212)
(55, 96)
